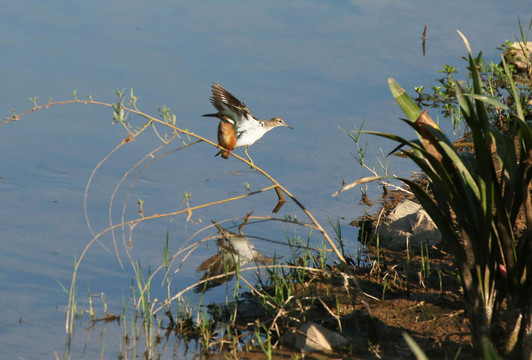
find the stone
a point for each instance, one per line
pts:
(515, 55)
(409, 224)
(312, 337)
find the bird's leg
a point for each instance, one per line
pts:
(249, 157)
(244, 222)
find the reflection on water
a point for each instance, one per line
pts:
(234, 251)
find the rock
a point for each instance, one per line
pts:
(514, 55)
(408, 223)
(311, 337)
(519, 54)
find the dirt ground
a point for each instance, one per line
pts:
(430, 310)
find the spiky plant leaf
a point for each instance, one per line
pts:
(411, 110)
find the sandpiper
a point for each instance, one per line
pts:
(247, 128)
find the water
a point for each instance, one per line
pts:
(320, 66)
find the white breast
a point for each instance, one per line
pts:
(249, 131)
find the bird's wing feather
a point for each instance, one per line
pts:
(223, 100)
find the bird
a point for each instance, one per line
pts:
(248, 129)
(226, 135)
(233, 249)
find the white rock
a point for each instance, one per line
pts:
(518, 58)
(311, 337)
(408, 223)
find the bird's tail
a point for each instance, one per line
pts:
(224, 153)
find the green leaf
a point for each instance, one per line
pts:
(489, 101)
(411, 110)
(520, 114)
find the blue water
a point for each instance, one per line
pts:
(319, 65)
